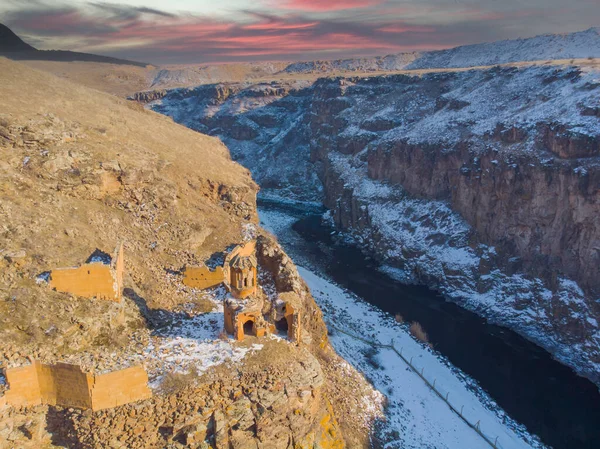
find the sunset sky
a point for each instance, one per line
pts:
(198, 31)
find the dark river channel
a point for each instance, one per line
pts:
(552, 401)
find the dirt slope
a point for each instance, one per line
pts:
(82, 170)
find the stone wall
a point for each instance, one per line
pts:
(92, 280)
(62, 384)
(276, 400)
(119, 388)
(68, 386)
(288, 309)
(24, 386)
(202, 277)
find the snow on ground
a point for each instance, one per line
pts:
(436, 241)
(580, 45)
(417, 417)
(191, 341)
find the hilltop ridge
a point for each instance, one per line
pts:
(547, 47)
(13, 47)
(10, 42)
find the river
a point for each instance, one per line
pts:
(548, 398)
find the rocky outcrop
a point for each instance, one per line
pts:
(148, 96)
(275, 400)
(277, 265)
(542, 213)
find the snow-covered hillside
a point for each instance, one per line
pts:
(580, 45)
(504, 161)
(192, 75)
(375, 64)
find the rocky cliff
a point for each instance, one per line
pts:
(482, 183)
(79, 171)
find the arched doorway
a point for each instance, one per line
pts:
(249, 328)
(282, 326)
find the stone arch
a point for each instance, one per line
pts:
(249, 327)
(283, 325)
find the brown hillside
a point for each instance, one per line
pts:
(81, 170)
(119, 80)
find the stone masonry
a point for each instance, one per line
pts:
(68, 386)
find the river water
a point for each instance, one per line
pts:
(547, 397)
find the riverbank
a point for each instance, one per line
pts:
(493, 362)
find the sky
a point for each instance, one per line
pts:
(212, 31)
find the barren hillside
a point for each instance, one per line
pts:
(82, 170)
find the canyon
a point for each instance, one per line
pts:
(482, 183)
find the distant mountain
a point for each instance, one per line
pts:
(10, 42)
(579, 45)
(13, 47)
(373, 64)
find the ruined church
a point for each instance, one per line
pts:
(246, 312)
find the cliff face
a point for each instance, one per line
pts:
(542, 213)
(79, 171)
(483, 183)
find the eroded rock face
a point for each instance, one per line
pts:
(484, 183)
(148, 96)
(543, 213)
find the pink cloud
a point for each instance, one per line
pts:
(280, 25)
(284, 35)
(327, 5)
(406, 29)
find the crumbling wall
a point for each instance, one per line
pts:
(119, 388)
(235, 321)
(287, 308)
(68, 386)
(229, 319)
(24, 386)
(92, 280)
(291, 288)
(118, 268)
(236, 316)
(63, 384)
(291, 313)
(203, 277)
(89, 280)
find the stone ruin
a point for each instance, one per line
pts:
(247, 317)
(238, 273)
(67, 385)
(100, 277)
(244, 313)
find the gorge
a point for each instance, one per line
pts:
(483, 184)
(377, 251)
